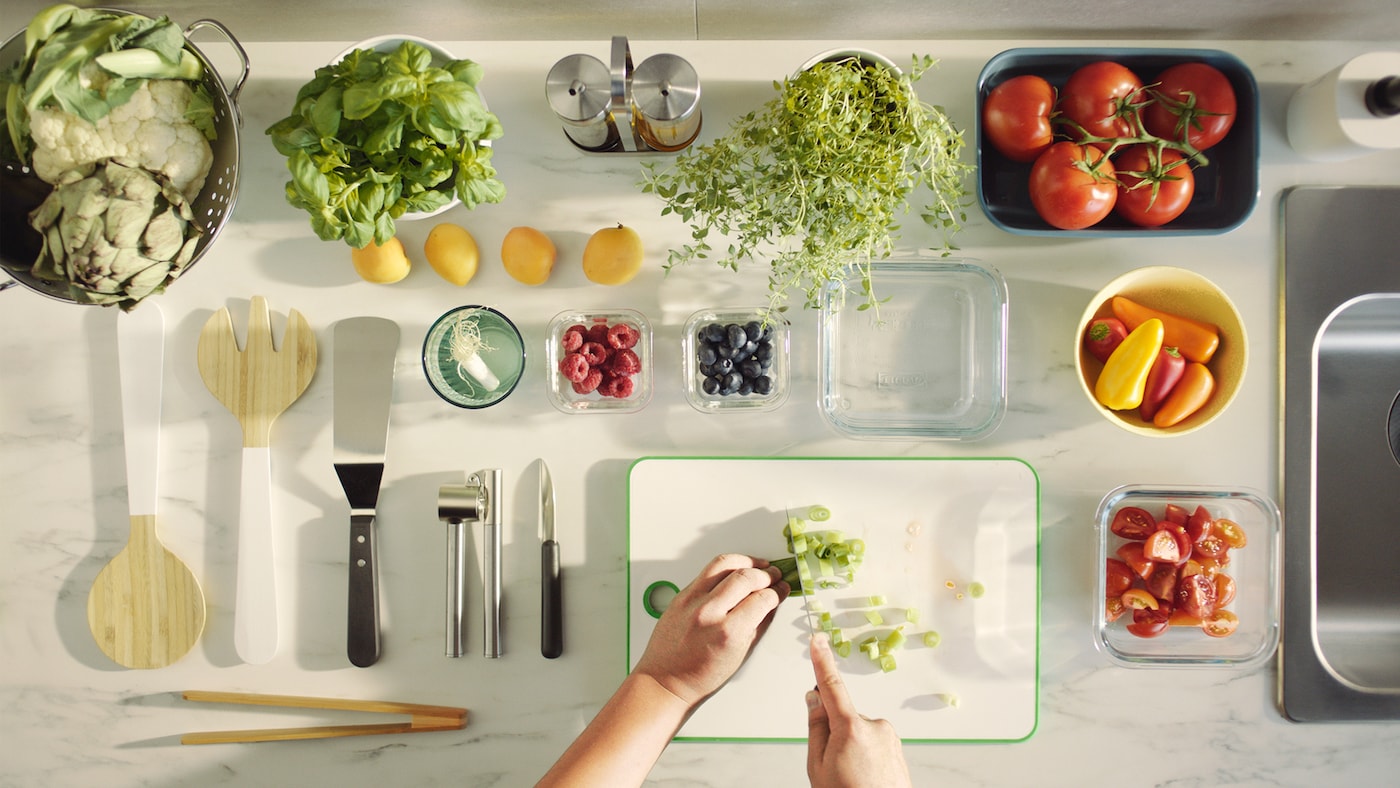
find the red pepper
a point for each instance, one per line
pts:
(1166, 372)
(1103, 336)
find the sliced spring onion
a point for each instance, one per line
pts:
(931, 638)
(874, 617)
(887, 663)
(895, 640)
(911, 614)
(818, 514)
(876, 600)
(844, 648)
(976, 590)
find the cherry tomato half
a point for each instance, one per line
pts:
(1211, 546)
(1231, 532)
(1162, 583)
(1149, 623)
(1161, 546)
(1113, 608)
(1224, 589)
(1096, 98)
(1196, 596)
(1131, 553)
(1138, 599)
(1221, 623)
(1198, 524)
(1120, 578)
(1016, 117)
(1133, 522)
(1176, 514)
(1154, 186)
(1194, 101)
(1072, 186)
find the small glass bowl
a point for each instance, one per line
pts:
(561, 390)
(928, 363)
(503, 356)
(1255, 568)
(763, 329)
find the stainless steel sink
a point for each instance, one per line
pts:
(1341, 454)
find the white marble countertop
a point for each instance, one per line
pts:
(71, 717)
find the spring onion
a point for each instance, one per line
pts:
(467, 345)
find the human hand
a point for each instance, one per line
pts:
(845, 749)
(711, 626)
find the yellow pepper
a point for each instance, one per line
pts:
(1124, 377)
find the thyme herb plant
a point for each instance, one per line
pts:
(818, 180)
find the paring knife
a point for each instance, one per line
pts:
(551, 579)
(364, 387)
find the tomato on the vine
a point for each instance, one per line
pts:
(1194, 102)
(1098, 98)
(1072, 186)
(1155, 185)
(1016, 117)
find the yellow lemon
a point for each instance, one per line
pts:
(528, 255)
(452, 252)
(381, 264)
(613, 255)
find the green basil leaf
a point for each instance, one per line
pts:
(361, 100)
(465, 71)
(326, 113)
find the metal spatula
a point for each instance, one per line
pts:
(363, 376)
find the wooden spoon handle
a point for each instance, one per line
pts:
(255, 596)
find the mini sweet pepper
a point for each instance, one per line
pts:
(1123, 380)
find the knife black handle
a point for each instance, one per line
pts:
(362, 620)
(551, 601)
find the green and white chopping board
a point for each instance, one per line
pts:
(927, 522)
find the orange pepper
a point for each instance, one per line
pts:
(1188, 396)
(1194, 339)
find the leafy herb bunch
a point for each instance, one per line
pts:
(381, 134)
(819, 178)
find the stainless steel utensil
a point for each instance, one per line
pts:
(551, 574)
(489, 479)
(479, 500)
(364, 387)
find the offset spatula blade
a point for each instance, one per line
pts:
(364, 388)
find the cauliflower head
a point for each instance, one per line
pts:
(150, 130)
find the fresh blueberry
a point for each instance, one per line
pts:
(764, 353)
(714, 332)
(724, 351)
(724, 366)
(746, 388)
(754, 330)
(751, 369)
(736, 335)
(732, 382)
(762, 385)
(707, 354)
(710, 385)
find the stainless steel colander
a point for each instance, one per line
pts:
(21, 190)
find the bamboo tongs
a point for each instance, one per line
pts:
(421, 718)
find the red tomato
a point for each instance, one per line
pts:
(1153, 187)
(1224, 589)
(1103, 336)
(1198, 525)
(1165, 372)
(1016, 117)
(1120, 578)
(1221, 623)
(1148, 623)
(1231, 532)
(1072, 186)
(1131, 553)
(1213, 547)
(1162, 583)
(1113, 608)
(1195, 596)
(1133, 522)
(1180, 618)
(1194, 101)
(1162, 546)
(1098, 99)
(1176, 514)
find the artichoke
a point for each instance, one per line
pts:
(116, 236)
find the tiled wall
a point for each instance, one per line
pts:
(345, 20)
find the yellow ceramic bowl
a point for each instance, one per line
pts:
(1180, 292)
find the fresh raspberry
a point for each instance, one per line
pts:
(619, 387)
(625, 363)
(573, 339)
(590, 383)
(622, 335)
(594, 353)
(574, 367)
(598, 332)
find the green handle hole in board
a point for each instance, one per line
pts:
(657, 597)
